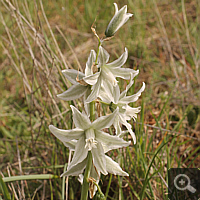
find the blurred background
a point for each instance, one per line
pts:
(38, 39)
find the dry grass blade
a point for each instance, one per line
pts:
(74, 54)
(189, 42)
(52, 35)
(166, 40)
(20, 169)
(173, 132)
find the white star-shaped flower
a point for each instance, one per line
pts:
(87, 136)
(111, 167)
(106, 76)
(121, 101)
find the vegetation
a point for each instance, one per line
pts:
(40, 38)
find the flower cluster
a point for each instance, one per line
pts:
(99, 83)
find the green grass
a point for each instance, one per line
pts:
(40, 38)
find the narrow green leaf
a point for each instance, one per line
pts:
(29, 177)
(4, 189)
(63, 182)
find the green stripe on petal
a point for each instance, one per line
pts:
(92, 79)
(89, 64)
(103, 56)
(74, 92)
(111, 141)
(120, 61)
(124, 72)
(95, 91)
(99, 159)
(75, 170)
(104, 121)
(81, 120)
(71, 75)
(66, 135)
(80, 153)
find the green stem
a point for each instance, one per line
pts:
(102, 102)
(85, 186)
(98, 51)
(92, 111)
(102, 197)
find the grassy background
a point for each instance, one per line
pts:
(40, 38)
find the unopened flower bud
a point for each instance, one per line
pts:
(119, 19)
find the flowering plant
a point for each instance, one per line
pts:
(89, 140)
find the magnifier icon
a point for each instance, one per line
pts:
(182, 182)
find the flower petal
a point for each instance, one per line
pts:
(76, 169)
(117, 126)
(132, 112)
(114, 168)
(71, 144)
(74, 92)
(89, 64)
(80, 153)
(120, 61)
(103, 56)
(71, 75)
(108, 89)
(86, 105)
(66, 135)
(104, 121)
(108, 93)
(108, 76)
(95, 91)
(99, 158)
(124, 72)
(104, 95)
(129, 127)
(123, 94)
(134, 97)
(81, 120)
(111, 141)
(116, 94)
(116, 8)
(92, 79)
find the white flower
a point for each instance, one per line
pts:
(106, 77)
(121, 101)
(79, 88)
(119, 19)
(76, 90)
(86, 137)
(111, 167)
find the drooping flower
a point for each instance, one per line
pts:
(79, 87)
(87, 136)
(111, 167)
(121, 101)
(106, 77)
(119, 19)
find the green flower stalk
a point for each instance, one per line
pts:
(90, 139)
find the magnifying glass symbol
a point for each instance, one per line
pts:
(182, 182)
